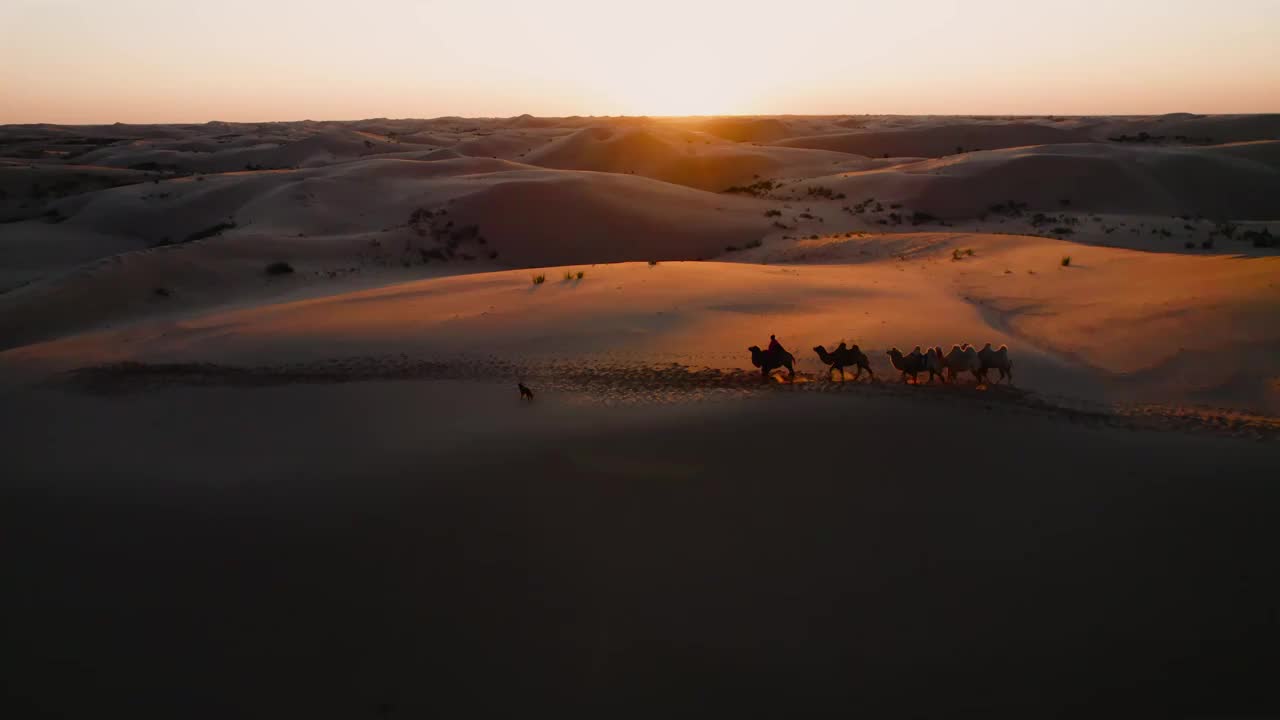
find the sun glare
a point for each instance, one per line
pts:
(685, 84)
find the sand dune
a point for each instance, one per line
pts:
(212, 237)
(607, 190)
(28, 189)
(507, 147)
(1232, 181)
(937, 141)
(1200, 330)
(757, 130)
(1198, 128)
(320, 472)
(316, 149)
(683, 157)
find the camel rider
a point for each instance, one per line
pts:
(774, 345)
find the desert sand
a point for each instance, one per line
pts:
(261, 435)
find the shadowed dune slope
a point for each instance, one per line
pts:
(1212, 128)
(683, 157)
(293, 149)
(215, 236)
(937, 141)
(27, 189)
(1233, 181)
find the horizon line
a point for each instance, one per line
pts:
(639, 117)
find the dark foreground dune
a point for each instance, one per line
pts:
(428, 549)
(262, 453)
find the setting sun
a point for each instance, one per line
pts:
(571, 57)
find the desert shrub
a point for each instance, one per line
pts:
(1207, 244)
(419, 215)
(279, 267)
(1066, 261)
(762, 187)
(1062, 231)
(464, 233)
(539, 279)
(1190, 245)
(1260, 238)
(920, 218)
(753, 244)
(211, 231)
(823, 192)
(772, 213)
(162, 291)
(652, 263)
(1012, 208)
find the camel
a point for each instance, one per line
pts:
(963, 358)
(933, 363)
(769, 361)
(996, 359)
(844, 357)
(910, 364)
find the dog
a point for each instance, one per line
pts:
(525, 392)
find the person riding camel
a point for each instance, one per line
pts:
(774, 345)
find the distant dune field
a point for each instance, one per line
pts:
(264, 455)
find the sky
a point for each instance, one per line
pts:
(139, 61)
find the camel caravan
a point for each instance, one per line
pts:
(962, 358)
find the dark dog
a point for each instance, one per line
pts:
(525, 393)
